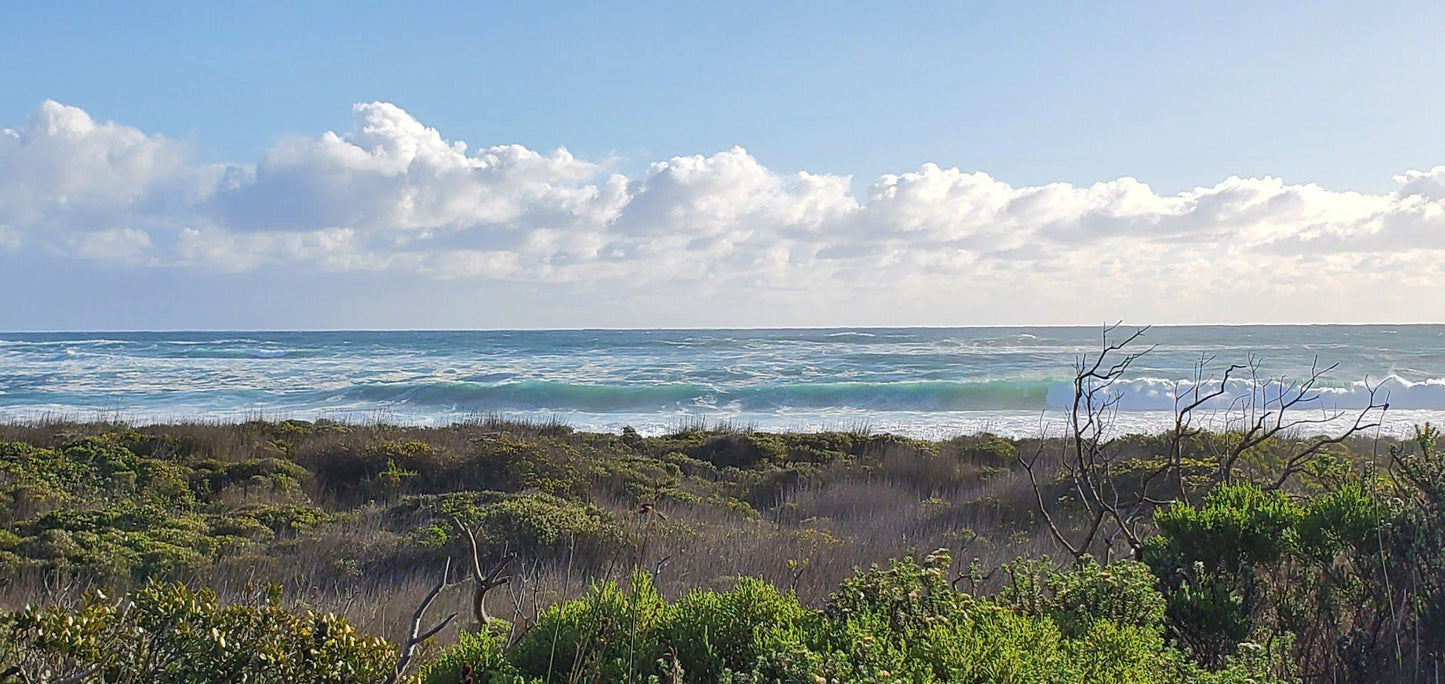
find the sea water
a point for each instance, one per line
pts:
(927, 382)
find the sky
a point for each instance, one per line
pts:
(558, 165)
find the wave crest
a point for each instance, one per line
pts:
(1159, 394)
(1142, 394)
(534, 395)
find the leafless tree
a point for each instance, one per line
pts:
(1085, 460)
(526, 599)
(485, 581)
(1118, 493)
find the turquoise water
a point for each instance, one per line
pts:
(925, 382)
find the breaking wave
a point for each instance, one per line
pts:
(1162, 394)
(1143, 394)
(887, 396)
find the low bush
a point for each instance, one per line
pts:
(1336, 575)
(608, 635)
(169, 633)
(710, 633)
(477, 658)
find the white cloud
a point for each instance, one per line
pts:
(330, 249)
(113, 245)
(392, 175)
(62, 173)
(395, 197)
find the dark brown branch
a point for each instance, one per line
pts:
(1028, 466)
(78, 677)
(1362, 423)
(1118, 497)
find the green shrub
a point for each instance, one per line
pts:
(1088, 623)
(534, 525)
(1075, 598)
(1112, 652)
(739, 450)
(284, 519)
(1348, 519)
(270, 474)
(710, 632)
(476, 654)
(1209, 614)
(984, 449)
(98, 467)
(900, 600)
(120, 541)
(169, 633)
(1206, 560)
(609, 635)
(512, 464)
(1235, 525)
(1121, 593)
(987, 644)
(887, 619)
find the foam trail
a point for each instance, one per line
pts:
(910, 380)
(1162, 394)
(887, 396)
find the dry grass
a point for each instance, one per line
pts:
(808, 527)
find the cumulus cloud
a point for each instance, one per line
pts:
(392, 195)
(60, 172)
(60, 166)
(392, 174)
(119, 245)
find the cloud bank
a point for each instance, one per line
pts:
(392, 196)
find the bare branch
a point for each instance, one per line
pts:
(416, 637)
(485, 581)
(475, 565)
(1118, 495)
(78, 677)
(1028, 466)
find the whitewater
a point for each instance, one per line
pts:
(925, 382)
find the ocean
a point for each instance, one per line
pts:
(925, 382)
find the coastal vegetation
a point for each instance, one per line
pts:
(497, 551)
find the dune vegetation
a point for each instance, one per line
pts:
(291, 551)
(496, 551)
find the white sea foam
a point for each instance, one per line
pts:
(1163, 394)
(926, 382)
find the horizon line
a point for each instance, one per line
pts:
(993, 326)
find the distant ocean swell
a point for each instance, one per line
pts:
(170, 349)
(888, 396)
(1143, 394)
(919, 381)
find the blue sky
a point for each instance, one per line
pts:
(1179, 96)
(1176, 94)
